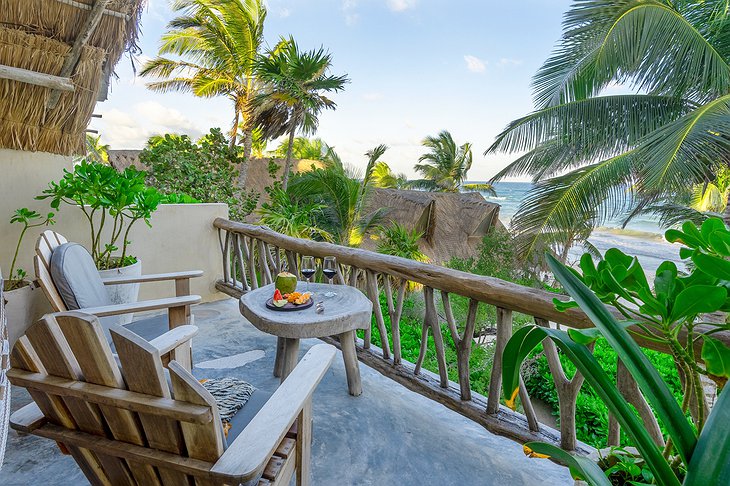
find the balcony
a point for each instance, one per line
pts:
(388, 435)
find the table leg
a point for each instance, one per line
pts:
(290, 358)
(279, 360)
(352, 368)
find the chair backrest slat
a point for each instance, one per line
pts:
(93, 355)
(203, 442)
(71, 345)
(143, 373)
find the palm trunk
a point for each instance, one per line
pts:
(234, 129)
(726, 213)
(289, 150)
(243, 167)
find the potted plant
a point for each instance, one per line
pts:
(112, 203)
(696, 450)
(18, 290)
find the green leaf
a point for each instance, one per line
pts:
(710, 463)
(587, 336)
(716, 357)
(650, 382)
(720, 243)
(515, 351)
(711, 225)
(698, 299)
(712, 265)
(616, 403)
(586, 468)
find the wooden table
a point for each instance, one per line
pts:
(344, 312)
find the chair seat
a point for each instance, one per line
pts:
(148, 328)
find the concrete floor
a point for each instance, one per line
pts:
(388, 435)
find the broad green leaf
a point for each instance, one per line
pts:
(712, 225)
(698, 299)
(650, 382)
(720, 242)
(616, 404)
(563, 306)
(716, 357)
(579, 465)
(712, 265)
(710, 463)
(587, 336)
(515, 351)
(685, 253)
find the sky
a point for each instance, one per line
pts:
(416, 67)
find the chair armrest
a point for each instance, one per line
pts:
(27, 419)
(251, 450)
(142, 306)
(174, 338)
(157, 277)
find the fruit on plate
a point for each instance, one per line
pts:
(285, 282)
(302, 299)
(292, 297)
(279, 300)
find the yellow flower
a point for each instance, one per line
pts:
(530, 453)
(511, 402)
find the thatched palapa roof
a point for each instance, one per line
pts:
(56, 57)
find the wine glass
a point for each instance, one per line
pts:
(308, 268)
(329, 268)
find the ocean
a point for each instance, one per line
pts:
(643, 237)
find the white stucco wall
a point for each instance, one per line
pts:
(182, 236)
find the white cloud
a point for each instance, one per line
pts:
(160, 115)
(401, 5)
(474, 64)
(349, 9)
(284, 12)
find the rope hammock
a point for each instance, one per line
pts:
(4, 383)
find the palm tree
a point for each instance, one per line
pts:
(95, 150)
(217, 41)
(304, 148)
(343, 197)
(290, 217)
(384, 177)
(445, 166)
(297, 80)
(624, 151)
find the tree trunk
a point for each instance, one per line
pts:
(243, 168)
(726, 213)
(289, 150)
(234, 129)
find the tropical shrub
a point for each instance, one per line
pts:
(29, 219)
(106, 197)
(703, 455)
(671, 310)
(396, 240)
(205, 171)
(291, 217)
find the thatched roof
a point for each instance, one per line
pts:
(453, 224)
(49, 43)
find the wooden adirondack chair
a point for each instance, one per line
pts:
(123, 427)
(178, 307)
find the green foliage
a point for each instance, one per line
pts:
(291, 217)
(705, 458)
(674, 302)
(304, 148)
(106, 197)
(495, 258)
(445, 166)
(205, 171)
(621, 152)
(591, 415)
(95, 150)
(396, 240)
(298, 81)
(384, 177)
(213, 45)
(28, 219)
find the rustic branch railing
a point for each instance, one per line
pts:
(252, 254)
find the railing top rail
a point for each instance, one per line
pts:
(507, 295)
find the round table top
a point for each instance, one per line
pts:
(346, 311)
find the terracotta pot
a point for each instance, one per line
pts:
(126, 293)
(23, 307)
